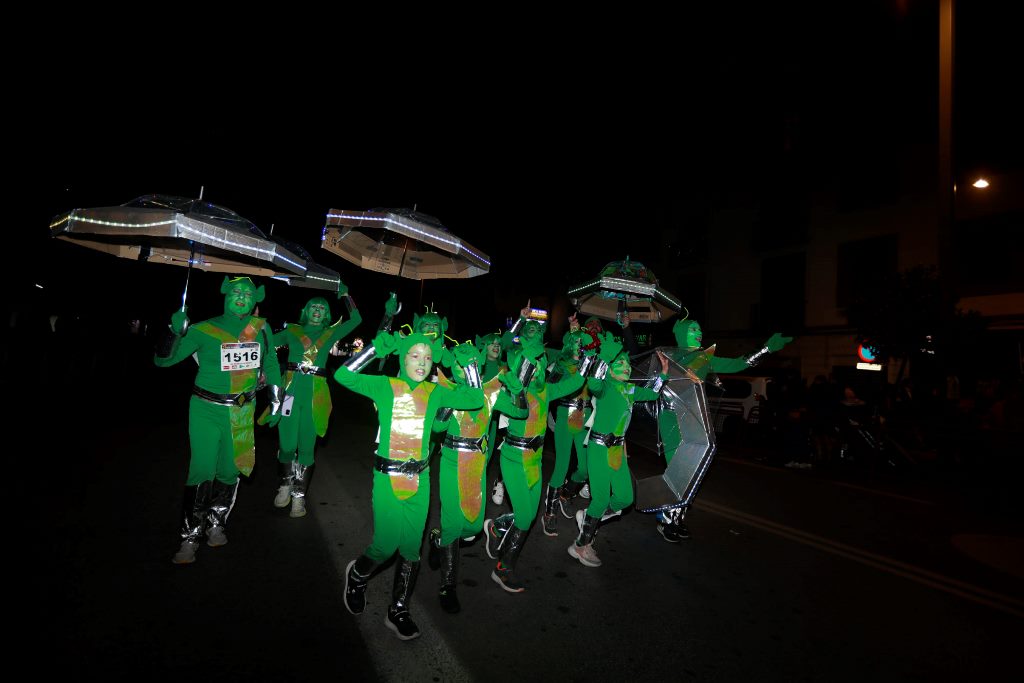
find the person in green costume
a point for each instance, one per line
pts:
(576, 484)
(611, 486)
(309, 344)
(232, 351)
(406, 407)
(521, 453)
(701, 362)
(464, 462)
(571, 413)
(528, 328)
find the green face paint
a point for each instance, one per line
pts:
(620, 368)
(240, 298)
(688, 334)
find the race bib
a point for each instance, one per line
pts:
(239, 356)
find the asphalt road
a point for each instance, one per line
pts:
(790, 575)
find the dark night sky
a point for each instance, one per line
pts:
(526, 153)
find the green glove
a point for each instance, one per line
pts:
(511, 383)
(776, 342)
(391, 305)
(179, 321)
(272, 420)
(342, 289)
(385, 344)
(610, 347)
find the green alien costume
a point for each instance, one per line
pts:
(701, 362)
(571, 414)
(406, 407)
(521, 453)
(309, 344)
(232, 350)
(611, 486)
(463, 466)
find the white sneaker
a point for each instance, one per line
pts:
(498, 492)
(298, 507)
(186, 554)
(284, 495)
(585, 554)
(215, 537)
(585, 491)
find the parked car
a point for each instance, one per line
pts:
(736, 405)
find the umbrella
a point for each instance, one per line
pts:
(625, 286)
(178, 231)
(316, 275)
(401, 242)
(684, 405)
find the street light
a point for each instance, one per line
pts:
(980, 183)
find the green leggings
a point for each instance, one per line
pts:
(565, 439)
(454, 523)
(398, 524)
(296, 432)
(525, 499)
(209, 436)
(608, 488)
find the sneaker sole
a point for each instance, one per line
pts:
(394, 629)
(210, 543)
(561, 508)
(670, 539)
(504, 587)
(584, 562)
(191, 560)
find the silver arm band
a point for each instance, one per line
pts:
(756, 357)
(276, 398)
(361, 359)
(518, 326)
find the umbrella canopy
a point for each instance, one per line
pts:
(625, 286)
(178, 231)
(401, 242)
(316, 275)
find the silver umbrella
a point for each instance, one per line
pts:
(401, 242)
(625, 286)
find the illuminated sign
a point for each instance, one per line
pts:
(867, 354)
(869, 366)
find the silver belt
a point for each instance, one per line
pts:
(406, 467)
(578, 403)
(225, 399)
(460, 443)
(607, 440)
(525, 443)
(307, 369)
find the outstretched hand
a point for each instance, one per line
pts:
(272, 420)
(342, 289)
(525, 313)
(573, 323)
(776, 342)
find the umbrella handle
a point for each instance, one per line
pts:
(191, 258)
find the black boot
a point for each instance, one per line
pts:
(303, 474)
(433, 549)
(504, 573)
(568, 491)
(221, 502)
(398, 619)
(194, 504)
(548, 519)
(357, 573)
(449, 577)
